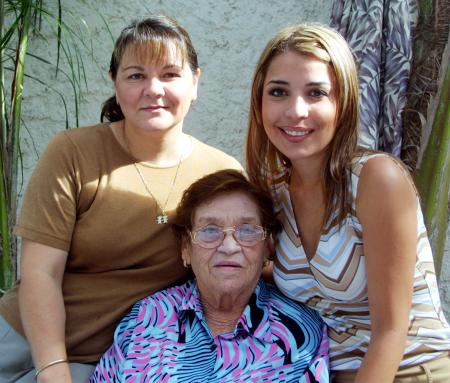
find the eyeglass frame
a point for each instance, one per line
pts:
(193, 233)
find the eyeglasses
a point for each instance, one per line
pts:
(211, 236)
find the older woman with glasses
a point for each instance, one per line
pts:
(227, 325)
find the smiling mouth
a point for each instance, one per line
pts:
(297, 133)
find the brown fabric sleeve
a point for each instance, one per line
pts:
(49, 207)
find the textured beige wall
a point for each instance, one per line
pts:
(228, 35)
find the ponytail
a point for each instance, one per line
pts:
(111, 110)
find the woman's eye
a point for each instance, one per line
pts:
(172, 75)
(246, 229)
(135, 76)
(209, 230)
(277, 92)
(208, 234)
(318, 93)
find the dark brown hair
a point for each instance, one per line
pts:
(264, 161)
(152, 38)
(217, 184)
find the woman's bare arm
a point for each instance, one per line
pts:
(386, 208)
(42, 308)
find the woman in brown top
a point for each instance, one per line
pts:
(95, 218)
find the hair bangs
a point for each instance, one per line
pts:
(158, 51)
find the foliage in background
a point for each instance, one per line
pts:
(20, 22)
(433, 177)
(426, 123)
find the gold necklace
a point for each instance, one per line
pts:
(163, 217)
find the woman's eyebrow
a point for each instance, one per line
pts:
(134, 67)
(173, 66)
(278, 82)
(207, 219)
(139, 67)
(218, 221)
(318, 83)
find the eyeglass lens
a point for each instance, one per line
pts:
(246, 234)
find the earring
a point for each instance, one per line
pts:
(186, 264)
(266, 263)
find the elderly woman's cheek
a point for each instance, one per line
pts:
(209, 275)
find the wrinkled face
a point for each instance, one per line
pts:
(229, 267)
(155, 96)
(299, 106)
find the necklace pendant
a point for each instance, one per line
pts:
(161, 219)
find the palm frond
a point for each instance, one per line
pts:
(25, 21)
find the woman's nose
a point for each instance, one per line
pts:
(154, 87)
(229, 244)
(298, 108)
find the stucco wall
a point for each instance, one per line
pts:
(228, 35)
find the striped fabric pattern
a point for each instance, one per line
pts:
(333, 282)
(165, 338)
(384, 56)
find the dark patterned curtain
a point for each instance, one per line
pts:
(379, 32)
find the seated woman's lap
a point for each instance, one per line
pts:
(15, 355)
(16, 364)
(80, 373)
(434, 371)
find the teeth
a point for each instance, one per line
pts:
(296, 133)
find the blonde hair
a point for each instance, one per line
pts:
(264, 161)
